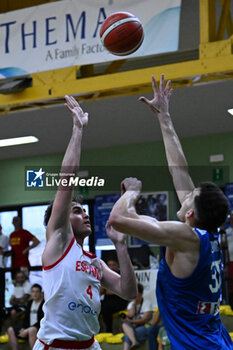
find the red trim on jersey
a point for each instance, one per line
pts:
(67, 344)
(89, 254)
(62, 257)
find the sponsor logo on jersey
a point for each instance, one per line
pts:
(85, 309)
(204, 307)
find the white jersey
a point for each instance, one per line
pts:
(72, 297)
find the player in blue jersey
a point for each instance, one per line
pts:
(189, 278)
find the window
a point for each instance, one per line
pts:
(33, 221)
(6, 221)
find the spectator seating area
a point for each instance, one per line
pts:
(113, 341)
(110, 341)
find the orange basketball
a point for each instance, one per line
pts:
(121, 33)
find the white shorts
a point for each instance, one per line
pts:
(39, 346)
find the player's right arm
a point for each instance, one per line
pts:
(59, 232)
(177, 163)
(124, 218)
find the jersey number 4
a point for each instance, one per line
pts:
(89, 291)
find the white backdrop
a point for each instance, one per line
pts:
(148, 279)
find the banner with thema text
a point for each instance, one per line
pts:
(66, 33)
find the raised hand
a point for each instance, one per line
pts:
(131, 184)
(80, 118)
(115, 236)
(160, 102)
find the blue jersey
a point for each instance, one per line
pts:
(190, 306)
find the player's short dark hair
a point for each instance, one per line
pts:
(211, 207)
(36, 285)
(140, 288)
(48, 211)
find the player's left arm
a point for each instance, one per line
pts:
(176, 159)
(124, 284)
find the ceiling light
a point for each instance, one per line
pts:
(18, 141)
(230, 111)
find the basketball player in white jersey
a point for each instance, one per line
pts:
(71, 276)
